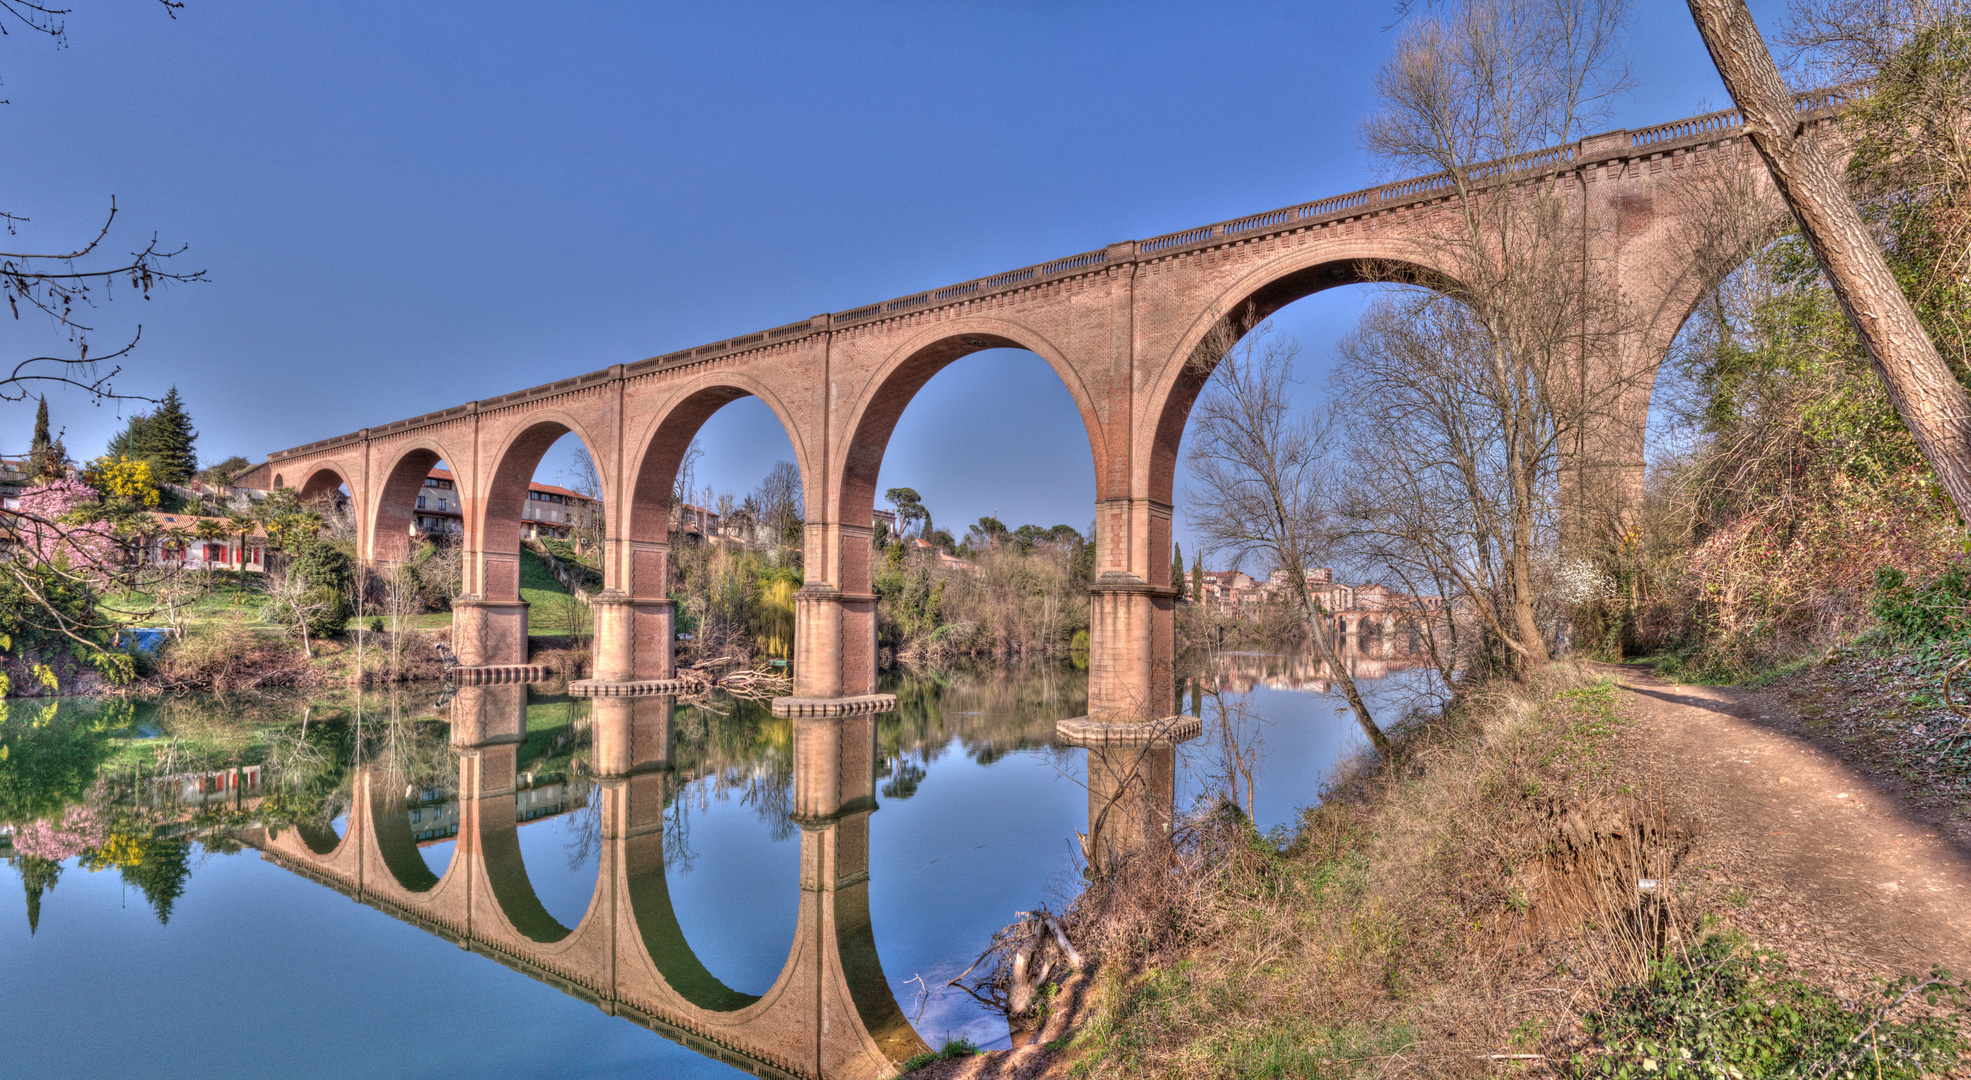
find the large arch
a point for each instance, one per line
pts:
(657, 926)
(501, 497)
(894, 385)
(1255, 296)
(396, 842)
(325, 478)
(635, 632)
(659, 452)
(394, 511)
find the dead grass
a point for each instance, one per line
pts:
(230, 653)
(1470, 900)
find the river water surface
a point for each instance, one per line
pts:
(145, 932)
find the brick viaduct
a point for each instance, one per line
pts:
(1119, 326)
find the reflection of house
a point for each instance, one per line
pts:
(219, 785)
(549, 510)
(434, 812)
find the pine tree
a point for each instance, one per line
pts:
(169, 441)
(129, 442)
(37, 454)
(1177, 569)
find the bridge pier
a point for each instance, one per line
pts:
(835, 628)
(486, 714)
(488, 633)
(631, 734)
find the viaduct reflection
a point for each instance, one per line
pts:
(829, 1014)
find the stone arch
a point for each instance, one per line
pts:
(395, 510)
(1262, 292)
(396, 843)
(503, 496)
(319, 836)
(660, 452)
(663, 938)
(896, 383)
(506, 873)
(323, 479)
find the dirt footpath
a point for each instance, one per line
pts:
(1808, 854)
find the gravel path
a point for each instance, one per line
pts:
(1821, 860)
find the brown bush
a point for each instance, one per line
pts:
(1401, 929)
(229, 655)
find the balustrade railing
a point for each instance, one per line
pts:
(1351, 204)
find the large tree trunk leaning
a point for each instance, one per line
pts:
(1932, 402)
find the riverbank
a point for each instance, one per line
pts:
(1473, 908)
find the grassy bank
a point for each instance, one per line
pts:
(1471, 908)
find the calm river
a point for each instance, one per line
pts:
(275, 886)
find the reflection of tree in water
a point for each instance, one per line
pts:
(678, 855)
(724, 750)
(990, 712)
(904, 776)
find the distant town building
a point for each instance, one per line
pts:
(1234, 592)
(549, 510)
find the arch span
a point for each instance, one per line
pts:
(635, 626)
(1252, 299)
(660, 451)
(890, 389)
(393, 517)
(506, 487)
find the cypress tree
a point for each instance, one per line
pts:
(37, 454)
(1177, 568)
(1197, 577)
(169, 442)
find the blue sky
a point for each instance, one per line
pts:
(402, 207)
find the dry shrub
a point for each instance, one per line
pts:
(228, 655)
(401, 656)
(1469, 899)
(561, 656)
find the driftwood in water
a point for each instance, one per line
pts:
(707, 676)
(1023, 958)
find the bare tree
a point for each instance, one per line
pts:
(590, 527)
(1523, 348)
(1452, 463)
(62, 285)
(293, 603)
(779, 502)
(1262, 472)
(1930, 399)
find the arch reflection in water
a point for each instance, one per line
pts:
(829, 1014)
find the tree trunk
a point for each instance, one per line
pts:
(1932, 402)
(1317, 617)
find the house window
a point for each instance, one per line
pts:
(420, 502)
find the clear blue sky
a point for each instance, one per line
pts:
(402, 207)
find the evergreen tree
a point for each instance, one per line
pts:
(129, 442)
(169, 441)
(1177, 568)
(38, 877)
(1197, 577)
(37, 454)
